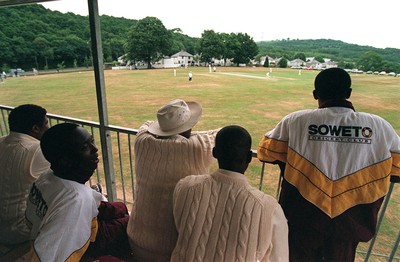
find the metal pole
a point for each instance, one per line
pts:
(262, 175)
(396, 244)
(105, 138)
(278, 189)
(383, 209)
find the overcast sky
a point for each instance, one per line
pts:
(363, 22)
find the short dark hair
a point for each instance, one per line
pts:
(332, 83)
(233, 142)
(24, 117)
(57, 142)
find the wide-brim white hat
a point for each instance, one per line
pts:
(176, 117)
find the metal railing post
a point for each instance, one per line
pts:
(105, 137)
(396, 244)
(381, 215)
(278, 188)
(262, 175)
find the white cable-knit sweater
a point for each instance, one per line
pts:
(160, 163)
(220, 217)
(21, 163)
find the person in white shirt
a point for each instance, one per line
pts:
(21, 163)
(68, 219)
(61, 209)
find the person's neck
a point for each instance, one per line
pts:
(341, 102)
(187, 133)
(67, 175)
(234, 168)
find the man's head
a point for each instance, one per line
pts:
(71, 151)
(29, 119)
(332, 83)
(176, 117)
(233, 148)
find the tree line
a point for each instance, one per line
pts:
(35, 37)
(347, 55)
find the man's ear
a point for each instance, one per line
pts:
(35, 129)
(348, 94)
(214, 152)
(36, 132)
(315, 95)
(249, 157)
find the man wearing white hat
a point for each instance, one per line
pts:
(166, 150)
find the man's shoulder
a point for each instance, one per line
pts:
(371, 116)
(300, 113)
(193, 180)
(20, 138)
(372, 119)
(212, 132)
(53, 184)
(263, 199)
(26, 141)
(204, 136)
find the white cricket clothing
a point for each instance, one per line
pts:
(61, 213)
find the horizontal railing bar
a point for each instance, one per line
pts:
(131, 131)
(114, 128)
(376, 254)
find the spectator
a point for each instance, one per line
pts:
(62, 211)
(338, 165)
(166, 150)
(220, 217)
(21, 163)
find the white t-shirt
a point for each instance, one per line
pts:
(61, 213)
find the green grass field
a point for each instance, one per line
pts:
(242, 96)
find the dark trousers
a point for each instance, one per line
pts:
(314, 236)
(309, 245)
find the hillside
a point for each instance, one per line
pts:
(35, 37)
(334, 49)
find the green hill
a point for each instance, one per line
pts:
(35, 37)
(334, 49)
